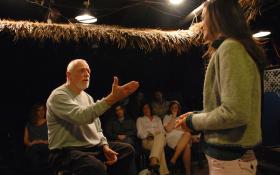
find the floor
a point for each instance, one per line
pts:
(267, 170)
(200, 170)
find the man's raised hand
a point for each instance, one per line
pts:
(120, 92)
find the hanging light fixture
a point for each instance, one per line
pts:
(53, 16)
(261, 34)
(176, 2)
(86, 16)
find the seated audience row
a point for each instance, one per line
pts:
(152, 131)
(154, 135)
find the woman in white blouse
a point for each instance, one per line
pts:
(177, 138)
(152, 133)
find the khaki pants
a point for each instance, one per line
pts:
(156, 146)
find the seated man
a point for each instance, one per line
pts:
(76, 141)
(121, 128)
(159, 105)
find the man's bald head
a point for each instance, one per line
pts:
(78, 75)
(73, 63)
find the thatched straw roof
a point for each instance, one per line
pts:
(251, 8)
(144, 39)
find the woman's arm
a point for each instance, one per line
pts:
(26, 140)
(238, 75)
(169, 123)
(142, 132)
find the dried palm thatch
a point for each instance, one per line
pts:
(251, 8)
(144, 39)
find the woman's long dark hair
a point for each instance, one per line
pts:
(226, 17)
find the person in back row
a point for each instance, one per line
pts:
(121, 128)
(177, 138)
(36, 141)
(159, 105)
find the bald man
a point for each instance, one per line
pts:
(76, 141)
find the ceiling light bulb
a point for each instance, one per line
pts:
(86, 18)
(261, 34)
(176, 2)
(89, 21)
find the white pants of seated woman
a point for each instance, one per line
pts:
(232, 167)
(157, 150)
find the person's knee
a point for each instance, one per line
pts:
(187, 135)
(130, 141)
(101, 168)
(161, 136)
(130, 149)
(127, 153)
(96, 168)
(88, 165)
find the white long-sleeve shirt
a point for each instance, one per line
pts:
(145, 126)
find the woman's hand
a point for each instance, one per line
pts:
(34, 142)
(181, 121)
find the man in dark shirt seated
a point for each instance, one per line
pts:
(121, 128)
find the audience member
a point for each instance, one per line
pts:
(121, 128)
(134, 106)
(36, 140)
(151, 131)
(177, 138)
(160, 105)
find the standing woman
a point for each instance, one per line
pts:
(232, 91)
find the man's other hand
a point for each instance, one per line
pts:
(111, 156)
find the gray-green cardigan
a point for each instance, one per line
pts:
(231, 99)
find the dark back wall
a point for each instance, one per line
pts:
(32, 69)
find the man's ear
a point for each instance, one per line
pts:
(68, 75)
